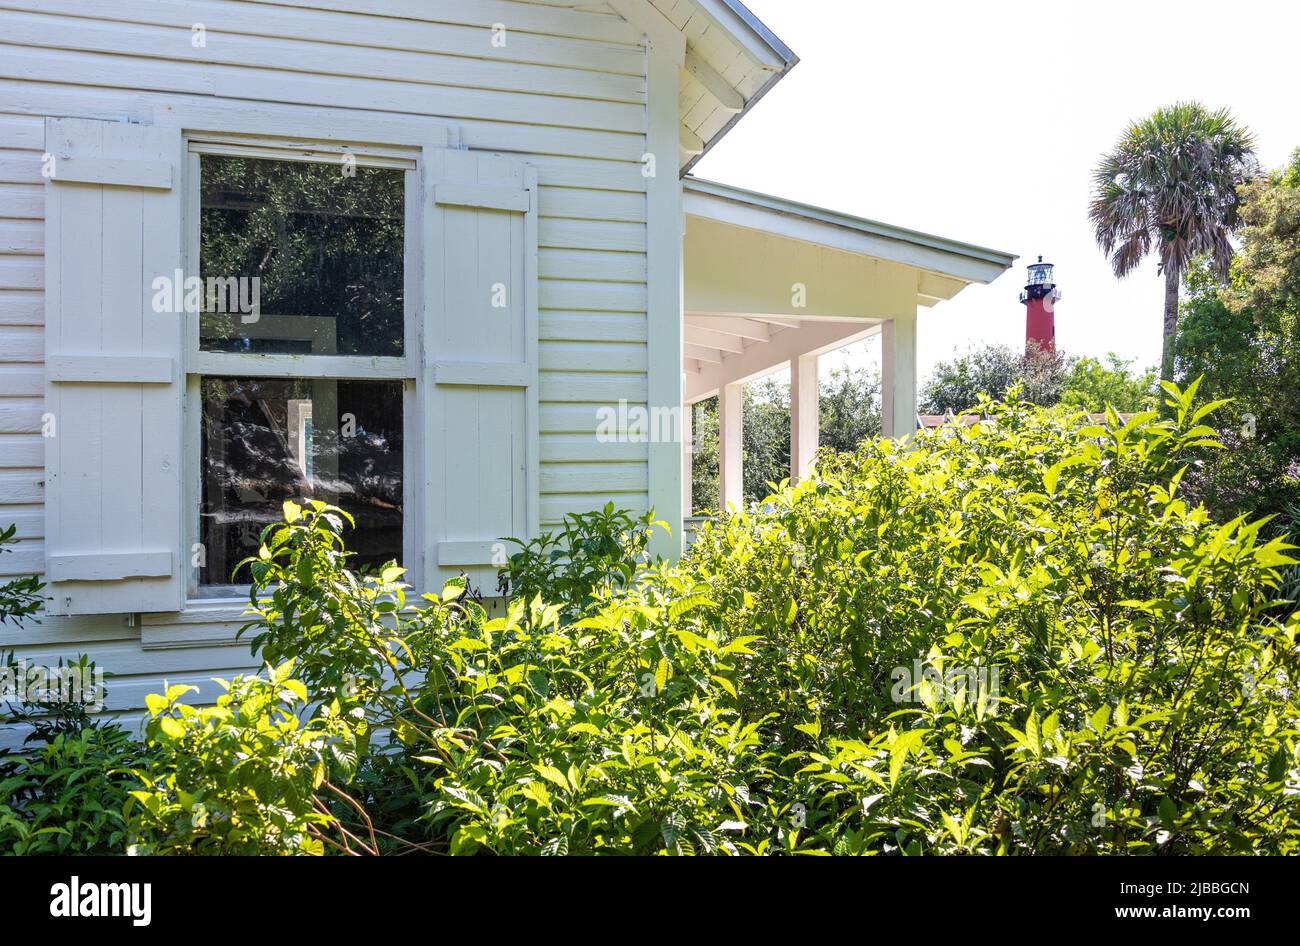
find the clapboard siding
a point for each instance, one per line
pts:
(559, 448)
(589, 357)
(21, 451)
(594, 265)
(298, 54)
(591, 326)
(555, 506)
(566, 92)
(23, 201)
(21, 380)
(249, 84)
(22, 343)
(209, 112)
(21, 415)
(167, 19)
(22, 132)
(21, 307)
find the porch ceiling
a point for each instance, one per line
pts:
(733, 349)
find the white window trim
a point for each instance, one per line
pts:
(196, 363)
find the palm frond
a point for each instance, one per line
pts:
(1170, 185)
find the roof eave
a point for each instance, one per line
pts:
(755, 27)
(985, 264)
(753, 100)
(740, 21)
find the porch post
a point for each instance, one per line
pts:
(898, 376)
(731, 488)
(803, 415)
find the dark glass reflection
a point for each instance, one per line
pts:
(268, 440)
(301, 257)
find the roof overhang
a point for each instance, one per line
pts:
(950, 260)
(773, 57)
(729, 61)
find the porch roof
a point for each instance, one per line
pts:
(768, 280)
(963, 262)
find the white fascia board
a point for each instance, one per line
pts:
(750, 33)
(768, 214)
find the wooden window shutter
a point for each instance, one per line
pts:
(481, 440)
(113, 386)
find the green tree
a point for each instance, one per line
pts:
(849, 413)
(1244, 340)
(1094, 385)
(766, 436)
(705, 448)
(956, 385)
(1170, 186)
(849, 409)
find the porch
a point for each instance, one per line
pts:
(771, 284)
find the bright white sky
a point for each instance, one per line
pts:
(982, 122)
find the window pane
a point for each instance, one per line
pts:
(268, 440)
(301, 257)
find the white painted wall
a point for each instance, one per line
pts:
(566, 93)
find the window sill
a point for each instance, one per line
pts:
(205, 622)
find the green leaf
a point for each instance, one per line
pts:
(552, 775)
(661, 675)
(813, 729)
(175, 692)
(1031, 733)
(537, 791)
(1050, 476)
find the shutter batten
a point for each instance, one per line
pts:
(107, 172)
(483, 373)
(110, 369)
(481, 197)
(109, 567)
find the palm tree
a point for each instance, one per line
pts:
(1170, 184)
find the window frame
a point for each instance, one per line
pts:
(405, 368)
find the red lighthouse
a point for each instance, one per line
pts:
(1039, 297)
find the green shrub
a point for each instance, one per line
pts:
(1119, 683)
(19, 597)
(239, 777)
(591, 551)
(1013, 637)
(513, 735)
(65, 792)
(67, 795)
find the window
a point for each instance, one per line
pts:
(353, 323)
(314, 251)
(300, 386)
(267, 440)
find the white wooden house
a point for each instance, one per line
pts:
(470, 236)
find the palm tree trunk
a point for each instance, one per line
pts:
(1172, 280)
